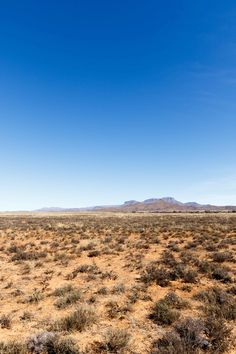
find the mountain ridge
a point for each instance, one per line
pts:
(149, 205)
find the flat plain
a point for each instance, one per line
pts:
(117, 283)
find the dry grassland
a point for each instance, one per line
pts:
(117, 283)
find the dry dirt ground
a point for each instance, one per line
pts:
(117, 283)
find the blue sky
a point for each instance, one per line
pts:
(106, 101)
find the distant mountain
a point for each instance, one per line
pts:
(167, 204)
(50, 209)
(131, 202)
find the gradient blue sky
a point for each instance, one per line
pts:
(105, 101)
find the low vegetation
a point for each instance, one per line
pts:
(118, 283)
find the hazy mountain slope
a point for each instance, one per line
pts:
(149, 205)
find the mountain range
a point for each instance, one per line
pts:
(167, 204)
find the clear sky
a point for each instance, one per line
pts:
(105, 101)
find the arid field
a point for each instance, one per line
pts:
(117, 283)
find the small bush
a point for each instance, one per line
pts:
(39, 342)
(221, 257)
(218, 333)
(35, 297)
(218, 303)
(102, 291)
(70, 298)
(62, 346)
(79, 320)
(114, 310)
(115, 341)
(5, 321)
(26, 316)
(204, 266)
(170, 343)
(118, 289)
(13, 348)
(63, 290)
(190, 331)
(222, 275)
(175, 301)
(160, 276)
(163, 314)
(188, 337)
(190, 276)
(50, 343)
(28, 256)
(94, 253)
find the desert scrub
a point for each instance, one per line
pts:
(115, 310)
(152, 273)
(26, 316)
(190, 276)
(28, 256)
(50, 343)
(83, 317)
(63, 290)
(68, 295)
(221, 274)
(221, 257)
(163, 313)
(115, 341)
(173, 300)
(13, 348)
(94, 253)
(118, 289)
(35, 297)
(187, 337)
(219, 334)
(69, 299)
(5, 321)
(218, 303)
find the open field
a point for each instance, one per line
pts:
(117, 283)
